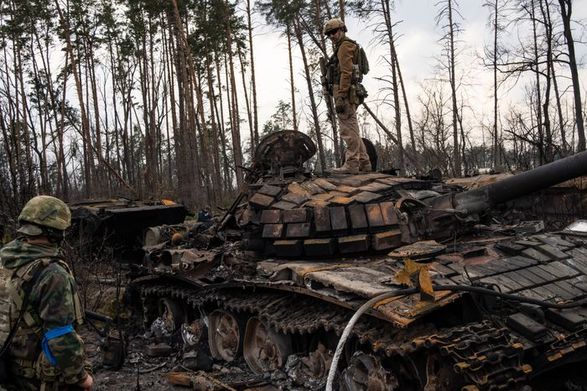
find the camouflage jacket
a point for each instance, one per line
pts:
(53, 303)
(345, 53)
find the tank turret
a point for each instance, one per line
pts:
(288, 213)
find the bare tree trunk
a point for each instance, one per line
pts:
(220, 115)
(566, 7)
(253, 76)
(186, 75)
(247, 104)
(87, 140)
(495, 137)
(300, 39)
(548, 139)
(453, 88)
(395, 85)
(236, 137)
(215, 150)
(291, 80)
(539, 123)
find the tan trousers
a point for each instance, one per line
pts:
(356, 155)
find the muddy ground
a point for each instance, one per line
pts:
(141, 371)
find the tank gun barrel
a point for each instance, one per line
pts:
(477, 200)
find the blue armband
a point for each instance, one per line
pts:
(52, 334)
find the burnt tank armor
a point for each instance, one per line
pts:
(278, 278)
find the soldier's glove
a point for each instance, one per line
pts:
(341, 105)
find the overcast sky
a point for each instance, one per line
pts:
(417, 47)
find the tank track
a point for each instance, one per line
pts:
(485, 355)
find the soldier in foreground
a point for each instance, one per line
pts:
(45, 352)
(344, 74)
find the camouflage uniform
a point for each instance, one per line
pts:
(342, 77)
(53, 304)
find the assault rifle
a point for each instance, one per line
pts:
(113, 343)
(325, 78)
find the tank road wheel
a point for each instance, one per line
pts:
(225, 335)
(365, 372)
(172, 314)
(264, 350)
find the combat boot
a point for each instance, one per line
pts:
(346, 169)
(365, 166)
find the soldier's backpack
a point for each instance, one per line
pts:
(360, 58)
(6, 331)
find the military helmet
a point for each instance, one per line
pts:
(44, 211)
(333, 24)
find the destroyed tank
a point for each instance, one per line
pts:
(374, 281)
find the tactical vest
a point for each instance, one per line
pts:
(358, 92)
(360, 63)
(12, 296)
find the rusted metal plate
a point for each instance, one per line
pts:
(316, 204)
(579, 282)
(522, 277)
(358, 217)
(295, 216)
(556, 241)
(528, 243)
(388, 181)
(389, 213)
(319, 247)
(324, 184)
(375, 187)
(387, 240)
(335, 193)
(375, 175)
(533, 253)
(272, 231)
(322, 219)
(348, 189)
(296, 270)
(321, 197)
(312, 188)
(261, 200)
(342, 200)
(520, 262)
(568, 290)
(353, 244)
(398, 182)
(366, 197)
(578, 263)
(418, 250)
(374, 215)
(269, 190)
(507, 285)
(404, 310)
(441, 270)
(552, 252)
(298, 230)
(354, 180)
(359, 280)
(288, 248)
(559, 270)
(296, 188)
(338, 218)
(510, 248)
(295, 198)
(284, 205)
(271, 216)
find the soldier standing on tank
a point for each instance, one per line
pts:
(345, 97)
(46, 353)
